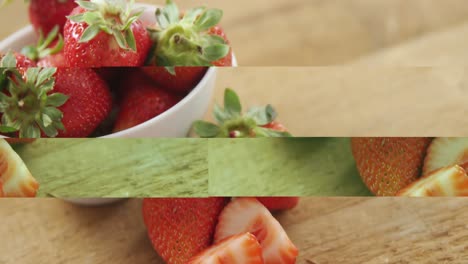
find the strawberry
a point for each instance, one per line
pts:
(257, 122)
(387, 165)
(15, 178)
(105, 33)
(46, 14)
(80, 102)
(13, 59)
(238, 249)
(142, 101)
(446, 152)
(183, 80)
(279, 203)
(447, 181)
(249, 215)
(48, 51)
(180, 228)
(193, 40)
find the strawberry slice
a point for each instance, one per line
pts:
(242, 249)
(249, 215)
(448, 181)
(445, 152)
(15, 178)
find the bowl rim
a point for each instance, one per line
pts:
(210, 73)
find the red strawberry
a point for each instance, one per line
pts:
(104, 33)
(257, 122)
(192, 39)
(142, 101)
(279, 203)
(80, 102)
(184, 79)
(447, 181)
(249, 215)
(45, 14)
(238, 249)
(180, 228)
(15, 60)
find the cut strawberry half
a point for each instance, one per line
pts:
(15, 178)
(238, 249)
(445, 152)
(448, 181)
(249, 215)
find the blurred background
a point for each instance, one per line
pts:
(319, 32)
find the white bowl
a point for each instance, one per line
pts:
(175, 122)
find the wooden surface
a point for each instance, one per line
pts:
(356, 101)
(118, 168)
(326, 231)
(317, 32)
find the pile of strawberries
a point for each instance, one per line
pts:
(216, 230)
(98, 68)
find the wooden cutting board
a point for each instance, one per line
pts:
(326, 231)
(193, 167)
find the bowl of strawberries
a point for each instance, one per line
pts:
(110, 69)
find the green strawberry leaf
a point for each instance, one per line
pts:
(262, 115)
(215, 52)
(205, 129)
(191, 15)
(8, 61)
(208, 19)
(57, 99)
(171, 12)
(90, 32)
(232, 103)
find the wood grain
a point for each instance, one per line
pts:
(118, 168)
(315, 32)
(326, 231)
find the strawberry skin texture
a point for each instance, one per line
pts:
(448, 181)
(180, 228)
(22, 61)
(238, 249)
(184, 80)
(103, 50)
(89, 100)
(249, 215)
(279, 203)
(387, 165)
(45, 14)
(142, 101)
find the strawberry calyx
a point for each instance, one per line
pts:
(42, 49)
(111, 17)
(27, 108)
(233, 124)
(185, 40)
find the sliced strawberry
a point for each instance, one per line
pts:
(15, 178)
(448, 181)
(238, 249)
(249, 215)
(232, 123)
(142, 101)
(279, 203)
(445, 152)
